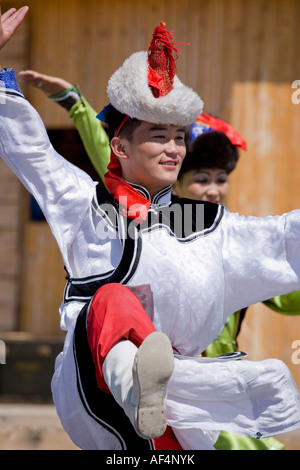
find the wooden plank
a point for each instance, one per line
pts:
(9, 217)
(268, 334)
(9, 263)
(43, 282)
(6, 174)
(264, 114)
(10, 191)
(9, 239)
(9, 296)
(265, 182)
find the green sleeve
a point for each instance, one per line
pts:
(287, 304)
(226, 341)
(92, 134)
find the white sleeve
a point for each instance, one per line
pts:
(261, 257)
(62, 190)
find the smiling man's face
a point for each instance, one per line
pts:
(153, 157)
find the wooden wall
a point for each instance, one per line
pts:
(242, 60)
(10, 248)
(266, 182)
(12, 208)
(230, 41)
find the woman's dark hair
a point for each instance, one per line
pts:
(211, 149)
(114, 119)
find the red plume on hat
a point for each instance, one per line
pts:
(162, 67)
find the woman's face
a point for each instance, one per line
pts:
(203, 185)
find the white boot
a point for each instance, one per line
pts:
(137, 379)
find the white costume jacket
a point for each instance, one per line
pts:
(189, 277)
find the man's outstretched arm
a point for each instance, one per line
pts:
(92, 133)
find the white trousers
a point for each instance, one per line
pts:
(257, 399)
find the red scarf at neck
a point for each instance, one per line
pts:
(135, 205)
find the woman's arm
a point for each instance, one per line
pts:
(92, 134)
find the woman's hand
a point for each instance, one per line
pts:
(9, 22)
(49, 85)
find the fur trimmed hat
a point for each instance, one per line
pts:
(145, 87)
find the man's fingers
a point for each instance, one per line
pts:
(9, 22)
(13, 17)
(7, 14)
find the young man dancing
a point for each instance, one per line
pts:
(150, 285)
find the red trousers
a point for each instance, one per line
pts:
(117, 314)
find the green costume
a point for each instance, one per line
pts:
(96, 143)
(92, 134)
(287, 304)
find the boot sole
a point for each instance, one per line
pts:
(152, 369)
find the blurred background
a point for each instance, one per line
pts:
(242, 59)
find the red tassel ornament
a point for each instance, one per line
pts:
(162, 67)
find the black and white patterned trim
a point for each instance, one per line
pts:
(163, 197)
(143, 191)
(101, 406)
(202, 220)
(83, 289)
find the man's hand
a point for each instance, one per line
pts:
(49, 85)
(9, 22)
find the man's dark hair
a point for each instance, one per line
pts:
(114, 119)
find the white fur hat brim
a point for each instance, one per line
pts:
(130, 94)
